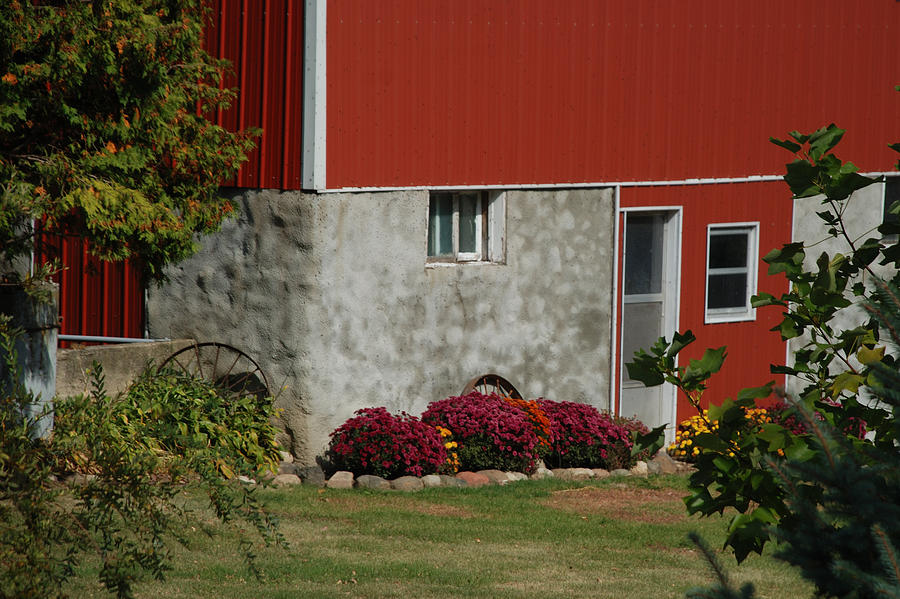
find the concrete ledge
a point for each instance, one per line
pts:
(122, 363)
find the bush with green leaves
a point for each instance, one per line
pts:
(187, 416)
(830, 497)
(143, 451)
(103, 128)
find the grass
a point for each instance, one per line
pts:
(614, 538)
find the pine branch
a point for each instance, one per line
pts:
(888, 555)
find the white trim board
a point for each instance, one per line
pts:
(314, 95)
(585, 185)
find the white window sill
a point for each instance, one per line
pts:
(448, 263)
(726, 317)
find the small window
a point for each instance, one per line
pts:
(731, 266)
(465, 227)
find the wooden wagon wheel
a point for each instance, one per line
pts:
(227, 367)
(492, 383)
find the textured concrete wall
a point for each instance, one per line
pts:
(122, 363)
(332, 296)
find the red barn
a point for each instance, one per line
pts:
(541, 187)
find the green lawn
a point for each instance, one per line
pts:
(614, 538)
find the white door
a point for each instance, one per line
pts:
(649, 294)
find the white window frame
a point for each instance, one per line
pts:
(490, 236)
(737, 313)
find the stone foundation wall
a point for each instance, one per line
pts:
(122, 363)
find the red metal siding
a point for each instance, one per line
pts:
(752, 347)
(475, 93)
(97, 298)
(264, 42)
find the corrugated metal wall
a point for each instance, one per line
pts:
(97, 298)
(264, 41)
(427, 92)
(751, 345)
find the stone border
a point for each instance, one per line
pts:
(292, 474)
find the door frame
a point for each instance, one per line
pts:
(672, 241)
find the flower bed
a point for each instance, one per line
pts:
(490, 433)
(584, 437)
(377, 442)
(482, 432)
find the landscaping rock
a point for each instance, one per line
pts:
(286, 457)
(430, 481)
(664, 463)
(497, 477)
(310, 475)
(600, 473)
(541, 473)
(515, 477)
(452, 481)
(407, 483)
(287, 468)
(573, 473)
(639, 469)
(473, 479)
(370, 481)
(340, 480)
(285, 480)
(685, 468)
(620, 472)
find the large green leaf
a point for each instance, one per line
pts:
(700, 370)
(652, 441)
(645, 368)
(824, 140)
(802, 178)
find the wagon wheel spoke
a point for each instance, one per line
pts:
(242, 378)
(492, 383)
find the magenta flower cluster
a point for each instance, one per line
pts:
(584, 437)
(783, 414)
(377, 442)
(490, 432)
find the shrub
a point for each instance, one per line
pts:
(622, 452)
(182, 415)
(787, 416)
(539, 422)
(127, 515)
(376, 442)
(584, 437)
(490, 433)
(684, 448)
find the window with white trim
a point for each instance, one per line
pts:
(466, 226)
(731, 265)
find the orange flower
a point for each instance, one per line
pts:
(10, 78)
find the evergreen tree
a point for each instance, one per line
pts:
(102, 127)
